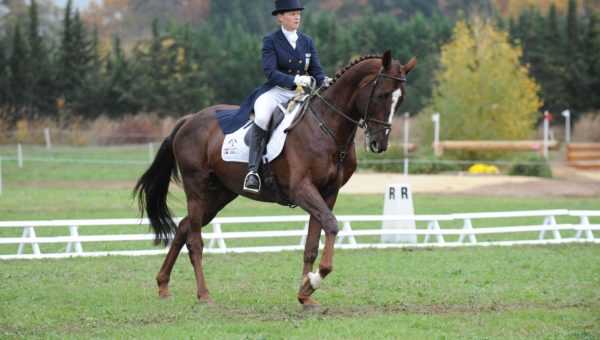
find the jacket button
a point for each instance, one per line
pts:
(289, 71)
(298, 72)
(300, 61)
(290, 61)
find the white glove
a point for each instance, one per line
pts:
(302, 80)
(327, 81)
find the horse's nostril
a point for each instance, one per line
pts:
(374, 146)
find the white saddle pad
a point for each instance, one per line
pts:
(235, 150)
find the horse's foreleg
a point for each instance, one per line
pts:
(311, 251)
(163, 276)
(320, 212)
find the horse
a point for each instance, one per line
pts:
(317, 160)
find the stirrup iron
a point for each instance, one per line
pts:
(251, 189)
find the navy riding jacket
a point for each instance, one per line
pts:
(281, 64)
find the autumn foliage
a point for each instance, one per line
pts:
(483, 91)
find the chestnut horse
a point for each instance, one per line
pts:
(317, 160)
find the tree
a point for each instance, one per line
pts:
(592, 55)
(483, 92)
(5, 93)
(42, 82)
(118, 96)
(20, 76)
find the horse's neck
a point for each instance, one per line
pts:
(343, 95)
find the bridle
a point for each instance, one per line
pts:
(362, 122)
(386, 125)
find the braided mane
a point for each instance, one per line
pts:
(354, 62)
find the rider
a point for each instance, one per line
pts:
(289, 59)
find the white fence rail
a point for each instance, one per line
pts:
(353, 228)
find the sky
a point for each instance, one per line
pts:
(81, 4)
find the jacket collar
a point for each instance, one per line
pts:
(286, 44)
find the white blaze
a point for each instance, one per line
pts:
(395, 97)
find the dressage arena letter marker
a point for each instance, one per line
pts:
(398, 201)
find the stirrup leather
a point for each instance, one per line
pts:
(249, 176)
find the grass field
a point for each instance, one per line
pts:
(492, 292)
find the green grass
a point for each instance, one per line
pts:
(523, 292)
(491, 292)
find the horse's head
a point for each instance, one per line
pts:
(380, 95)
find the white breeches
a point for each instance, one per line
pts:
(267, 102)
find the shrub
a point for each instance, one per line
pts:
(422, 162)
(532, 164)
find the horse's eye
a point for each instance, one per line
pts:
(383, 95)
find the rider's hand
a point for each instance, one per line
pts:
(302, 81)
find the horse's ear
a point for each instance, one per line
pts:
(411, 64)
(386, 60)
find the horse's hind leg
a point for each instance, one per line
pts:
(206, 197)
(163, 276)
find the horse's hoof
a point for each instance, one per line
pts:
(164, 294)
(312, 308)
(207, 302)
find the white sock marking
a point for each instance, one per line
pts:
(315, 279)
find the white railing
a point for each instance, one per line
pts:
(352, 227)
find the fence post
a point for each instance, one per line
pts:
(351, 238)
(434, 225)
(0, 176)
(29, 232)
(20, 155)
(74, 230)
(436, 133)
(47, 136)
(406, 130)
(467, 226)
(150, 152)
(220, 241)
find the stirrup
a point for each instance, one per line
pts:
(251, 189)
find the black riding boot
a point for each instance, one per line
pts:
(257, 147)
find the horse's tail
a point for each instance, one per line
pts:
(153, 187)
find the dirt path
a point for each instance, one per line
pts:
(566, 183)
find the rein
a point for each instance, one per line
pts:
(362, 123)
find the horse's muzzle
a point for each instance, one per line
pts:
(377, 147)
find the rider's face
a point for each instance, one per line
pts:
(290, 20)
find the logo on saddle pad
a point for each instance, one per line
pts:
(236, 150)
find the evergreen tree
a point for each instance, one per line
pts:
(592, 54)
(42, 82)
(239, 67)
(94, 81)
(154, 71)
(191, 91)
(576, 77)
(66, 53)
(553, 84)
(119, 98)
(20, 77)
(5, 93)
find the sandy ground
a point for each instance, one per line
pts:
(567, 182)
